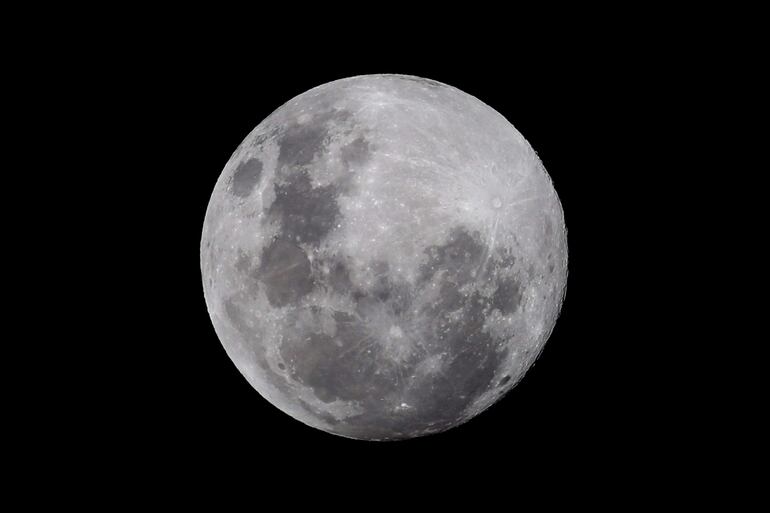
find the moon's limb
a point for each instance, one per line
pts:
(383, 257)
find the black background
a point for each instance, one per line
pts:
(127, 117)
(593, 396)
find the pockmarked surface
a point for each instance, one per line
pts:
(384, 257)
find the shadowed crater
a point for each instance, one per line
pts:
(285, 271)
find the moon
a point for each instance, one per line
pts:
(384, 257)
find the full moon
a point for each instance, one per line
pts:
(384, 257)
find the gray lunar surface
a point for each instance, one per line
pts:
(384, 257)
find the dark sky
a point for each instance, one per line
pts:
(586, 106)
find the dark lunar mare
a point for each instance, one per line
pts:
(246, 177)
(285, 271)
(347, 366)
(473, 355)
(351, 365)
(299, 143)
(507, 297)
(357, 152)
(306, 213)
(474, 358)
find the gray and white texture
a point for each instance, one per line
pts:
(384, 257)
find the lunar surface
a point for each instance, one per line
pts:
(384, 257)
